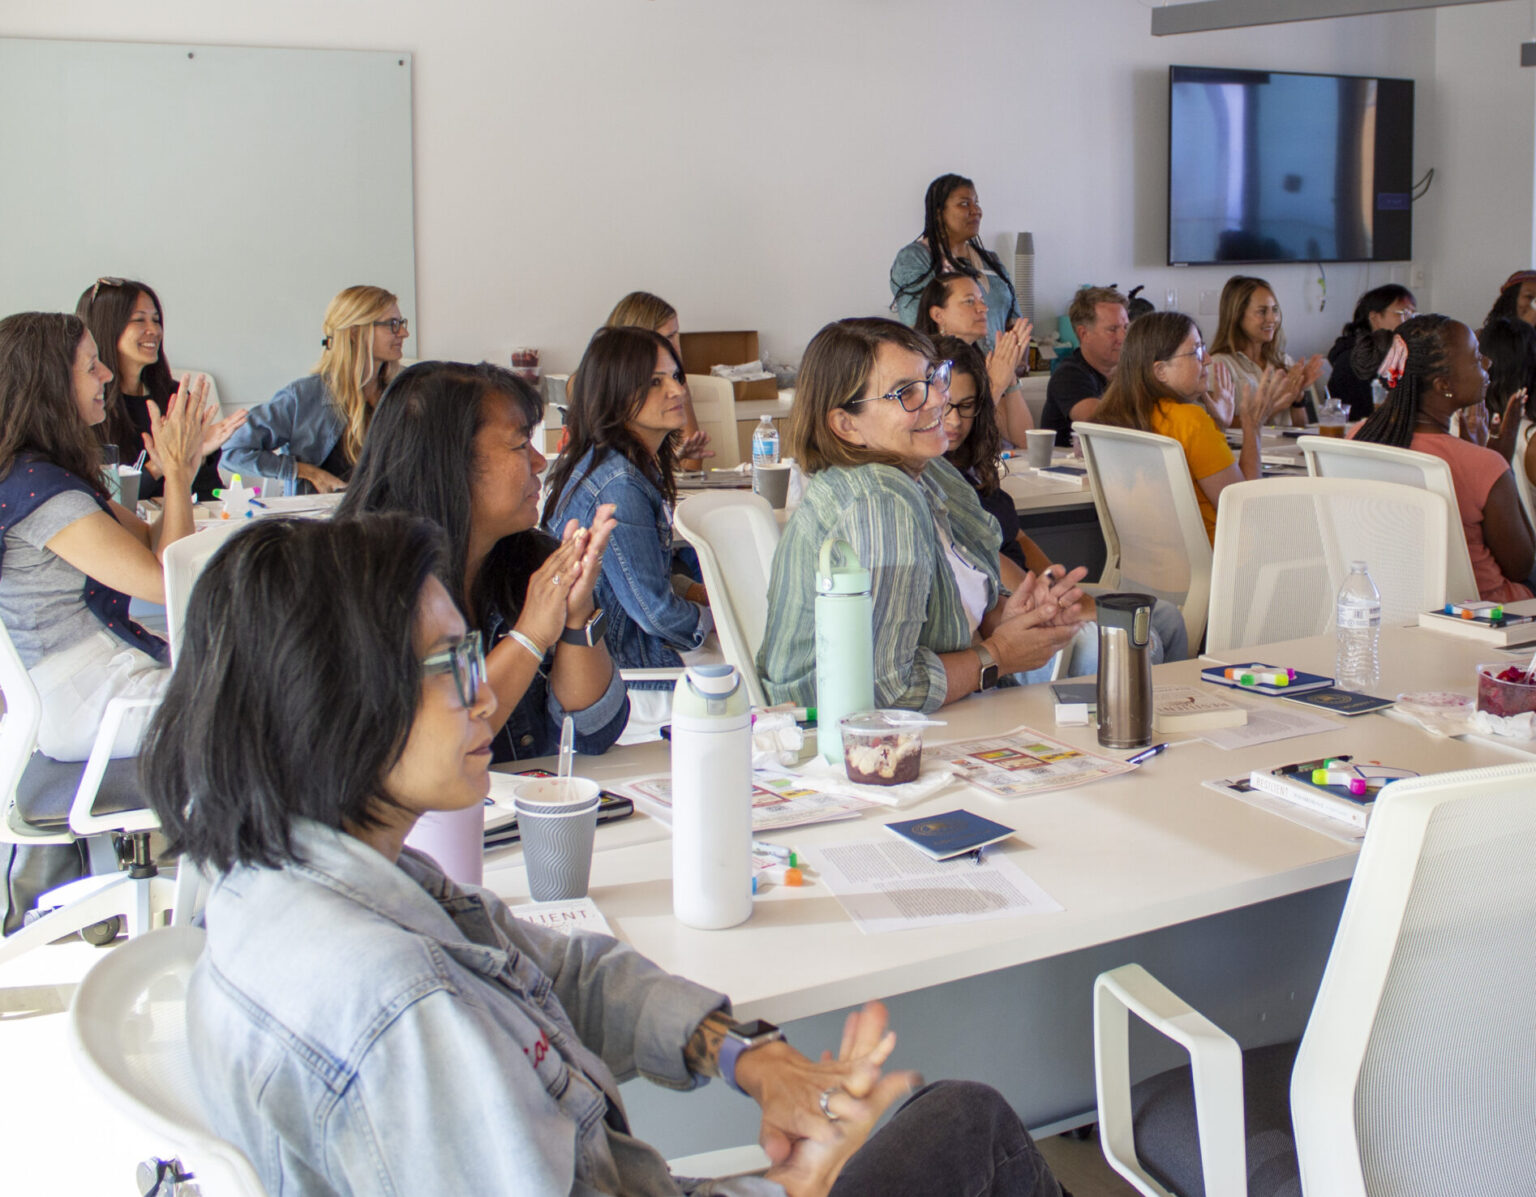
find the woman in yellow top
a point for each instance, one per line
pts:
(1164, 384)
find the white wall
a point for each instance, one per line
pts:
(759, 163)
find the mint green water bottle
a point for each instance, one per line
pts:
(845, 646)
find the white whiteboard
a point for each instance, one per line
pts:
(247, 186)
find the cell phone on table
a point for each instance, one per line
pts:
(501, 823)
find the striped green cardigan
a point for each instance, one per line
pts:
(889, 517)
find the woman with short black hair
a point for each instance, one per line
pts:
(1386, 306)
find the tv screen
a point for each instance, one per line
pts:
(1266, 166)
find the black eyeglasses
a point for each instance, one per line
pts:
(965, 409)
(394, 325)
(466, 661)
(913, 395)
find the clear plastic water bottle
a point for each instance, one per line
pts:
(765, 443)
(1357, 664)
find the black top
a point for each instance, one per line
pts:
(1345, 384)
(999, 505)
(1071, 382)
(203, 485)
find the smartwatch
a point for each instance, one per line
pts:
(590, 633)
(743, 1037)
(988, 678)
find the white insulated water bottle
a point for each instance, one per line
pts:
(711, 798)
(845, 644)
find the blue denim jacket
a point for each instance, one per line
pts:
(648, 623)
(358, 1027)
(299, 423)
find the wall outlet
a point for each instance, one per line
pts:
(1209, 300)
(1420, 277)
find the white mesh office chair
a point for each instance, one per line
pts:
(1153, 532)
(1517, 467)
(735, 534)
(714, 406)
(128, 1032)
(1328, 457)
(184, 562)
(1414, 1077)
(1284, 545)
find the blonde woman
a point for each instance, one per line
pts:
(641, 309)
(1249, 341)
(310, 434)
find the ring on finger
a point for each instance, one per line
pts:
(556, 579)
(825, 1102)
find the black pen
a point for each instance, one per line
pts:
(1146, 754)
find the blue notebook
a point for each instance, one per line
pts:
(954, 833)
(1300, 684)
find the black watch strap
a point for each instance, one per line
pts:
(590, 633)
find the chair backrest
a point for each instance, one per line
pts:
(1330, 457)
(128, 1031)
(1150, 517)
(735, 533)
(714, 406)
(184, 562)
(1415, 1074)
(1517, 467)
(1283, 548)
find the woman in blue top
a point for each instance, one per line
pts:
(625, 415)
(310, 434)
(951, 242)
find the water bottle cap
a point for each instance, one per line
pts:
(843, 576)
(713, 681)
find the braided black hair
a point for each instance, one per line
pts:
(941, 259)
(1394, 421)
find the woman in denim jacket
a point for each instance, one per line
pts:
(453, 442)
(626, 406)
(458, 1050)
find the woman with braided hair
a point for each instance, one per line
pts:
(1434, 369)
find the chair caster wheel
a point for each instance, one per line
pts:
(104, 932)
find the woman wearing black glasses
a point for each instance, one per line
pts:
(868, 428)
(311, 432)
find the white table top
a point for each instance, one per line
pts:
(1123, 856)
(1033, 490)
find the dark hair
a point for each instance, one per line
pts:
(1373, 303)
(1393, 422)
(419, 458)
(295, 687)
(1510, 346)
(935, 295)
(941, 259)
(1507, 305)
(977, 455)
(834, 371)
(105, 308)
(38, 413)
(608, 390)
(1135, 389)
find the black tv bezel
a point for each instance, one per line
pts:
(1394, 162)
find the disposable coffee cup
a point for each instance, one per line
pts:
(1039, 444)
(455, 839)
(557, 819)
(772, 482)
(128, 486)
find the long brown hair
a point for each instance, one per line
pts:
(608, 389)
(38, 413)
(1234, 302)
(976, 456)
(1135, 389)
(106, 307)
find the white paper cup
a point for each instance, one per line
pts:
(558, 820)
(128, 483)
(455, 839)
(772, 482)
(1038, 444)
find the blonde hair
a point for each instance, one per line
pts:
(641, 309)
(1229, 320)
(346, 363)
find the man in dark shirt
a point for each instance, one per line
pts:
(1099, 318)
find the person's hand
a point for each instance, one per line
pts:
(1474, 423)
(174, 441)
(1003, 361)
(1221, 399)
(324, 482)
(221, 430)
(1273, 394)
(1029, 639)
(546, 603)
(1311, 371)
(1054, 592)
(579, 603)
(807, 1148)
(695, 447)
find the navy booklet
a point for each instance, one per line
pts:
(954, 833)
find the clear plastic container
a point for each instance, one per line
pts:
(883, 747)
(1500, 697)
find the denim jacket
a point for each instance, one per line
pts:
(648, 623)
(455, 1050)
(299, 423)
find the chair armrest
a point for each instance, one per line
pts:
(651, 675)
(1216, 1067)
(81, 820)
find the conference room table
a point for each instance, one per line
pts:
(1232, 906)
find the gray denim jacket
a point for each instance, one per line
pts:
(358, 1027)
(299, 423)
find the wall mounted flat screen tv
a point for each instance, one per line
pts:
(1268, 166)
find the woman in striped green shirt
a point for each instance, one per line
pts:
(868, 428)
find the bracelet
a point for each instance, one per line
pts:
(529, 643)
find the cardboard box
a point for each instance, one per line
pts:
(704, 350)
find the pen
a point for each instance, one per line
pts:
(257, 503)
(1146, 754)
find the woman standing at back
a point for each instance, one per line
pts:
(310, 434)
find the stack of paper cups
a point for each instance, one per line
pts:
(1024, 274)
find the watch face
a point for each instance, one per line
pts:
(751, 1030)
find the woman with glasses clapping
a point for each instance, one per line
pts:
(952, 305)
(310, 434)
(868, 428)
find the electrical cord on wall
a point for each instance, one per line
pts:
(1421, 188)
(1322, 287)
